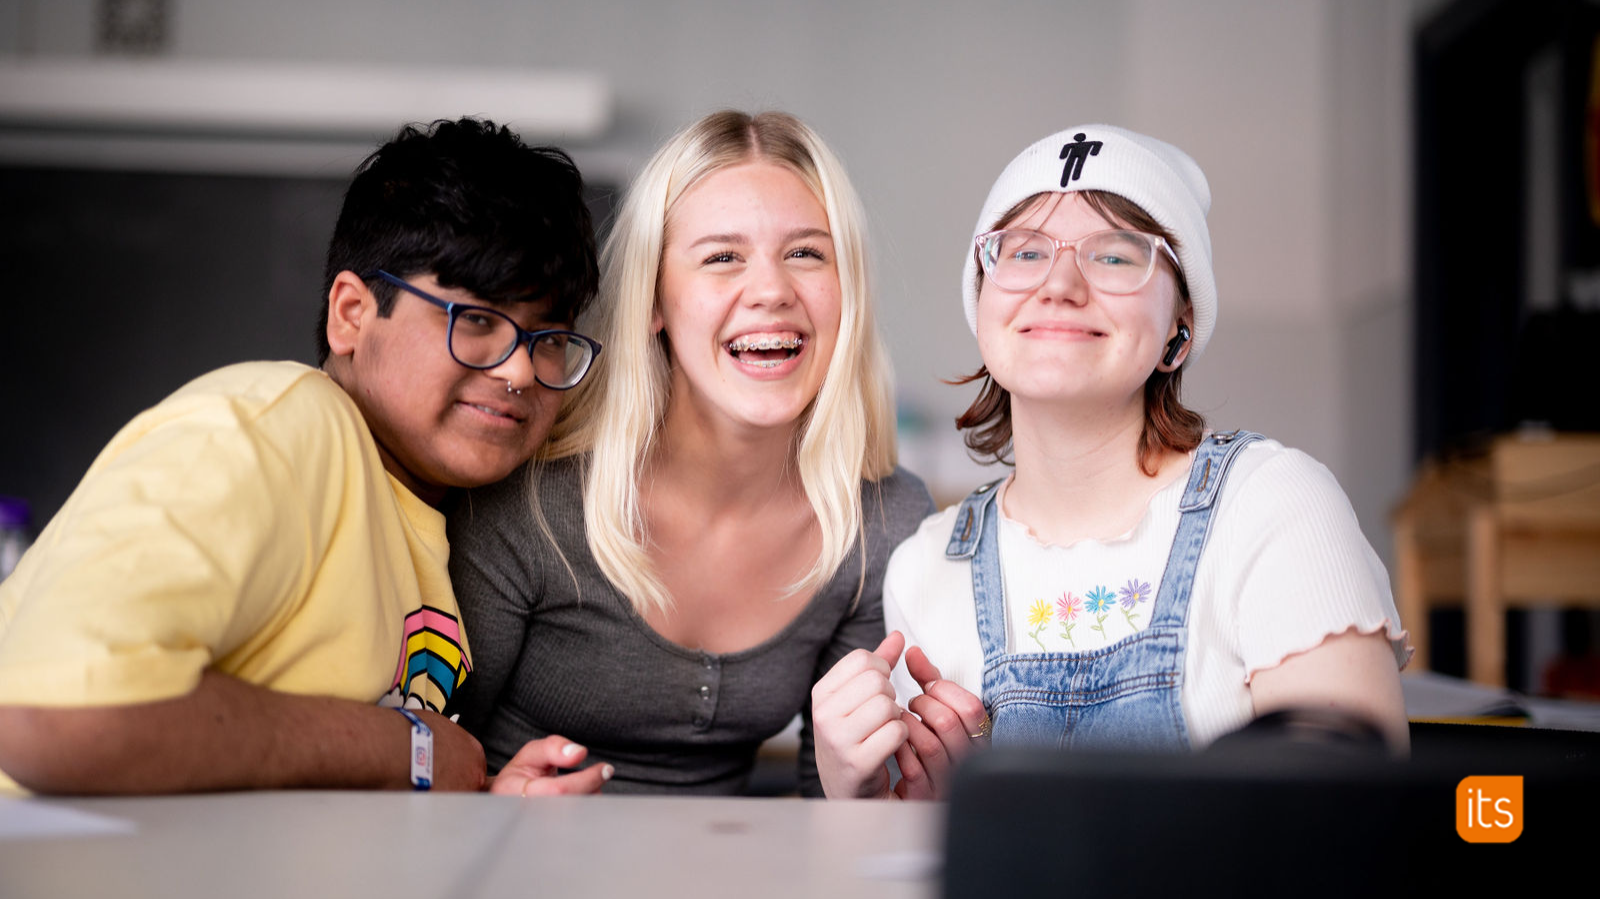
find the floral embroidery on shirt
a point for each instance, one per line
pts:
(1135, 592)
(1067, 608)
(1038, 616)
(1099, 604)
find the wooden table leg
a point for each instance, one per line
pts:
(1410, 592)
(1486, 614)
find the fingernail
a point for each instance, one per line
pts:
(606, 771)
(570, 750)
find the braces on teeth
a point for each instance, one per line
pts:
(741, 345)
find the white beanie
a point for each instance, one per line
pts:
(1159, 177)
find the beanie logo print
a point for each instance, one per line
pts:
(1075, 154)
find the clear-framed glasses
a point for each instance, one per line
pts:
(480, 337)
(1115, 261)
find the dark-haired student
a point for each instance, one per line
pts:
(249, 589)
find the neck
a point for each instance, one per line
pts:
(432, 494)
(1078, 473)
(720, 464)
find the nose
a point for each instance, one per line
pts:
(1064, 282)
(516, 370)
(768, 285)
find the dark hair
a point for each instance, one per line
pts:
(1168, 424)
(468, 202)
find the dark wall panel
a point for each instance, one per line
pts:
(120, 287)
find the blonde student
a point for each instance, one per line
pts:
(667, 585)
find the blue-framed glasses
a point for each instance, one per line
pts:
(480, 337)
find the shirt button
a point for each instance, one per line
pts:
(700, 721)
(705, 692)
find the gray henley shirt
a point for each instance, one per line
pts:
(554, 652)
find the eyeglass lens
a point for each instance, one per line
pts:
(483, 338)
(1113, 261)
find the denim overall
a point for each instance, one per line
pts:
(1126, 695)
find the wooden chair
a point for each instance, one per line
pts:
(1516, 528)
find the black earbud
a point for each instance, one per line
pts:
(1176, 344)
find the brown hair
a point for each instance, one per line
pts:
(1168, 424)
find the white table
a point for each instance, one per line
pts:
(346, 844)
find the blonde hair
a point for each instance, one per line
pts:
(845, 435)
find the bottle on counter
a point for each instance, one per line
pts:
(14, 540)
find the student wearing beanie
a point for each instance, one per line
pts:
(1139, 581)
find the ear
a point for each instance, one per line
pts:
(656, 321)
(1179, 340)
(349, 302)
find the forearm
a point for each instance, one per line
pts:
(225, 735)
(1352, 673)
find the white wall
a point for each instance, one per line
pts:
(1296, 109)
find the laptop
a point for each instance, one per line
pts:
(1275, 811)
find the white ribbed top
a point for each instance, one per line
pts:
(1285, 567)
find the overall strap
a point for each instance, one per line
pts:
(976, 537)
(969, 521)
(1213, 458)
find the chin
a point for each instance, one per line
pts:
(481, 473)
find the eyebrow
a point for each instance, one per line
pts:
(735, 238)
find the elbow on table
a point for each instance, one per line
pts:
(62, 751)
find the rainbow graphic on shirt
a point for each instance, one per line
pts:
(433, 662)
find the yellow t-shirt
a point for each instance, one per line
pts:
(246, 523)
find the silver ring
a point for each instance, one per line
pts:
(515, 390)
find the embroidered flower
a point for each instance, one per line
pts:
(1099, 604)
(1100, 600)
(1067, 608)
(1039, 612)
(1133, 593)
(1038, 616)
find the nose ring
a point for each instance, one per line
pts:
(515, 390)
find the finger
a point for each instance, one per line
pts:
(961, 701)
(944, 726)
(929, 765)
(861, 770)
(874, 751)
(861, 723)
(891, 647)
(587, 780)
(857, 661)
(852, 695)
(930, 744)
(913, 779)
(545, 755)
(921, 669)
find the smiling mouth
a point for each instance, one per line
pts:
(1046, 329)
(495, 412)
(765, 350)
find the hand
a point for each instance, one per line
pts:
(457, 755)
(951, 721)
(532, 771)
(857, 722)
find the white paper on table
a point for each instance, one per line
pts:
(25, 819)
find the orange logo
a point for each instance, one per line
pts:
(1489, 809)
